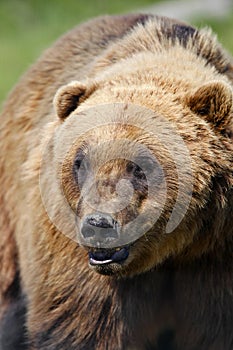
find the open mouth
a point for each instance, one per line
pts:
(108, 256)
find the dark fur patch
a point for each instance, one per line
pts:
(12, 335)
(47, 338)
(12, 328)
(166, 340)
(182, 33)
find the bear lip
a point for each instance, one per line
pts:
(105, 256)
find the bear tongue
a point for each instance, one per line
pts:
(101, 257)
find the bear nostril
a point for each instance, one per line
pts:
(88, 232)
(100, 230)
(109, 233)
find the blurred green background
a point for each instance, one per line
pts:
(27, 27)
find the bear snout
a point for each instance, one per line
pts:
(100, 229)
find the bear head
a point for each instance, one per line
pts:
(141, 169)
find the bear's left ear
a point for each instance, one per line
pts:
(214, 102)
(68, 98)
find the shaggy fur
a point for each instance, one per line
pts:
(175, 291)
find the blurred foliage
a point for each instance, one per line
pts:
(27, 27)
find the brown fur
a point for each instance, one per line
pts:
(175, 291)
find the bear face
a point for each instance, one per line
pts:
(134, 178)
(107, 181)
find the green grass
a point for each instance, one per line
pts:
(27, 27)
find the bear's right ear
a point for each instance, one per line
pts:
(68, 98)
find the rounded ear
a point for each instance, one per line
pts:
(213, 101)
(68, 98)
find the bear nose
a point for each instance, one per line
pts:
(100, 229)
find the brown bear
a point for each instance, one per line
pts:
(116, 200)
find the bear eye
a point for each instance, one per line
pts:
(78, 160)
(136, 170)
(144, 167)
(80, 167)
(139, 173)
